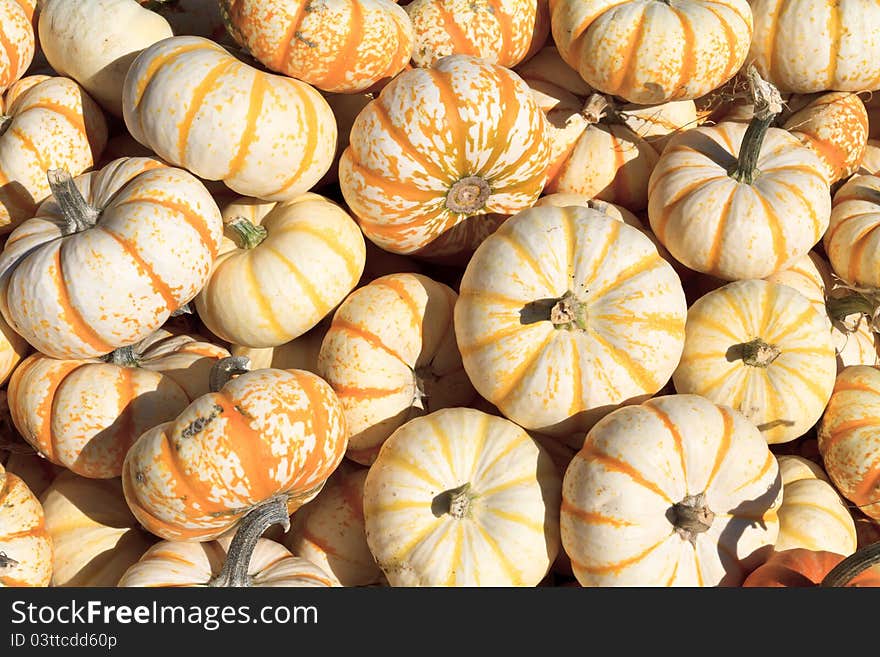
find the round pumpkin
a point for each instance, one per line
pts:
(17, 43)
(25, 545)
(801, 567)
(677, 491)
(462, 498)
(156, 227)
(852, 240)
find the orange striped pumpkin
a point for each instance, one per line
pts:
(565, 313)
(505, 32)
(17, 43)
(848, 437)
(653, 52)
(837, 50)
(852, 240)
(677, 491)
(266, 432)
(277, 135)
(343, 47)
(462, 498)
(390, 354)
(463, 138)
(155, 227)
(85, 414)
(51, 124)
(25, 545)
(762, 349)
(21, 85)
(281, 268)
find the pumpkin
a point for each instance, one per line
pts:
(13, 349)
(95, 41)
(652, 53)
(564, 314)
(737, 201)
(504, 32)
(812, 514)
(137, 217)
(462, 498)
(17, 44)
(25, 546)
(281, 269)
(329, 531)
(676, 491)
(764, 350)
(838, 48)
(21, 85)
(852, 238)
(85, 414)
(95, 536)
(801, 567)
(344, 47)
(848, 437)
(275, 137)
(263, 434)
(793, 467)
(51, 124)
(390, 354)
(409, 181)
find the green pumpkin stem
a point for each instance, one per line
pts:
(842, 307)
(768, 105)
(123, 356)
(224, 369)
(79, 215)
(248, 533)
(852, 566)
(247, 235)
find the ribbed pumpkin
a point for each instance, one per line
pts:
(462, 498)
(95, 536)
(17, 42)
(86, 414)
(762, 349)
(155, 227)
(275, 136)
(391, 354)
(95, 41)
(505, 32)
(25, 546)
(281, 269)
(264, 433)
(463, 138)
(837, 48)
(852, 240)
(565, 313)
(52, 124)
(648, 52)
(848, 437)
(677, 491)
(343, 47)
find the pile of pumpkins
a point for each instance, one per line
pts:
(439, 293)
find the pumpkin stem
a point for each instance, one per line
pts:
(842, 307)
(124, 356)
(251, 527)
(758, 353)
(459, 501)
(768, 104)
(595, 108)
(79, 215)
(185, 309)
(856, 563)
(224, 369)
(691, 516)
(247, 235)
(7, 562)
(468, 195)
(569, 313)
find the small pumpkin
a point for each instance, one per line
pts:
(853, 238)
(25, 545)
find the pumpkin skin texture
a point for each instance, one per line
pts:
(276, 136)
(762, 349)
(81, 43)
(462, 498)
(25, 546)
(264, 433)
(848, 437)
(390, 354)
(800, 567)
(649, 52)
(52, 124)
(852, 239)
(342, 47)
(95, 536)
(152, 219)
(529, 286)
(408, 181)
(715, 225)
(268, 293)
(179, 563)
(629, 496)
(18, 43)
(839, 51)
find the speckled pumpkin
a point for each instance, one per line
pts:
(25, 545)
(17, 43)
